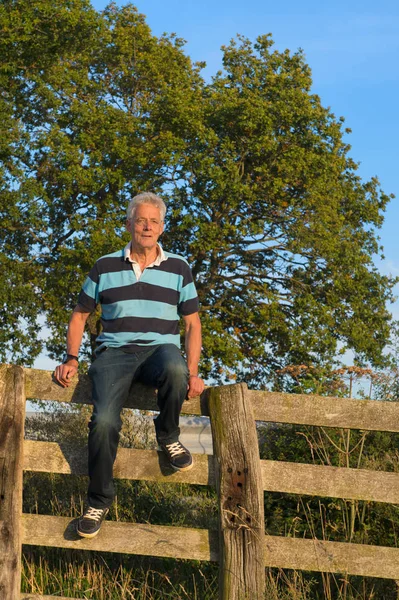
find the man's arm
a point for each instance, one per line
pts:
(193, 345)
(64, 373)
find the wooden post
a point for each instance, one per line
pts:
(12, 415)
(240, 489)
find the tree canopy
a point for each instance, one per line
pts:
(263, 197)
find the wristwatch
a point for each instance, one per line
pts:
(67, 357)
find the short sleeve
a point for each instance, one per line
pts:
(188, 299)
(89, 296)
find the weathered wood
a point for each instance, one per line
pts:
(239, 484)
(40, 385)
(41, 597)
(147, 465)
(127, 538)
(330, 482)
(240, 541)
(12, 416)
(306, 409)
(200, 544)
(332, 557)
(272, 407)
(277, 476)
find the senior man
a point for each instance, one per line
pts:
(143, 292)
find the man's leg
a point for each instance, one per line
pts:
(166, 370)
(111, 374)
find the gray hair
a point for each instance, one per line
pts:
(146, 198)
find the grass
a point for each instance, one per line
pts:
(116, 577)
(86, 575)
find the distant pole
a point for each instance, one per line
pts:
(12, 416)
(240, 491)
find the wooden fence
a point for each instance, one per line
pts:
(241, 546)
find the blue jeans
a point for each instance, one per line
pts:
(112, 375)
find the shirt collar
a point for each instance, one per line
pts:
(161, 256)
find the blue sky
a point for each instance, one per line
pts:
(352, 48)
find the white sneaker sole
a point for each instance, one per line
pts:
(182, 468)
(86, 535)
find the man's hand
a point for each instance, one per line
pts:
(64, 373)
(195, 386)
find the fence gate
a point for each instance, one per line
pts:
(241, 545)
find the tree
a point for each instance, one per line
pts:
(101, 107)
(263, 198)
(280, 228)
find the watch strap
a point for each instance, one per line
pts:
(69, 357)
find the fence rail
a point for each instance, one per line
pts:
(41, 597)
(202, 544)
(235, 470)
(272, 407)
(277, 476)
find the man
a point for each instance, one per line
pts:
(143, 291)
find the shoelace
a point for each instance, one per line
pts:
(175, 449)
(93, 513)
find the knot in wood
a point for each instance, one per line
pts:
(6, 423)
(5, 533)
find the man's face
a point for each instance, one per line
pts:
(145, 227)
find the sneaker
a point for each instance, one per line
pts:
(90, 522)
(178, 456)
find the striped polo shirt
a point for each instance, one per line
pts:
(139, 312)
